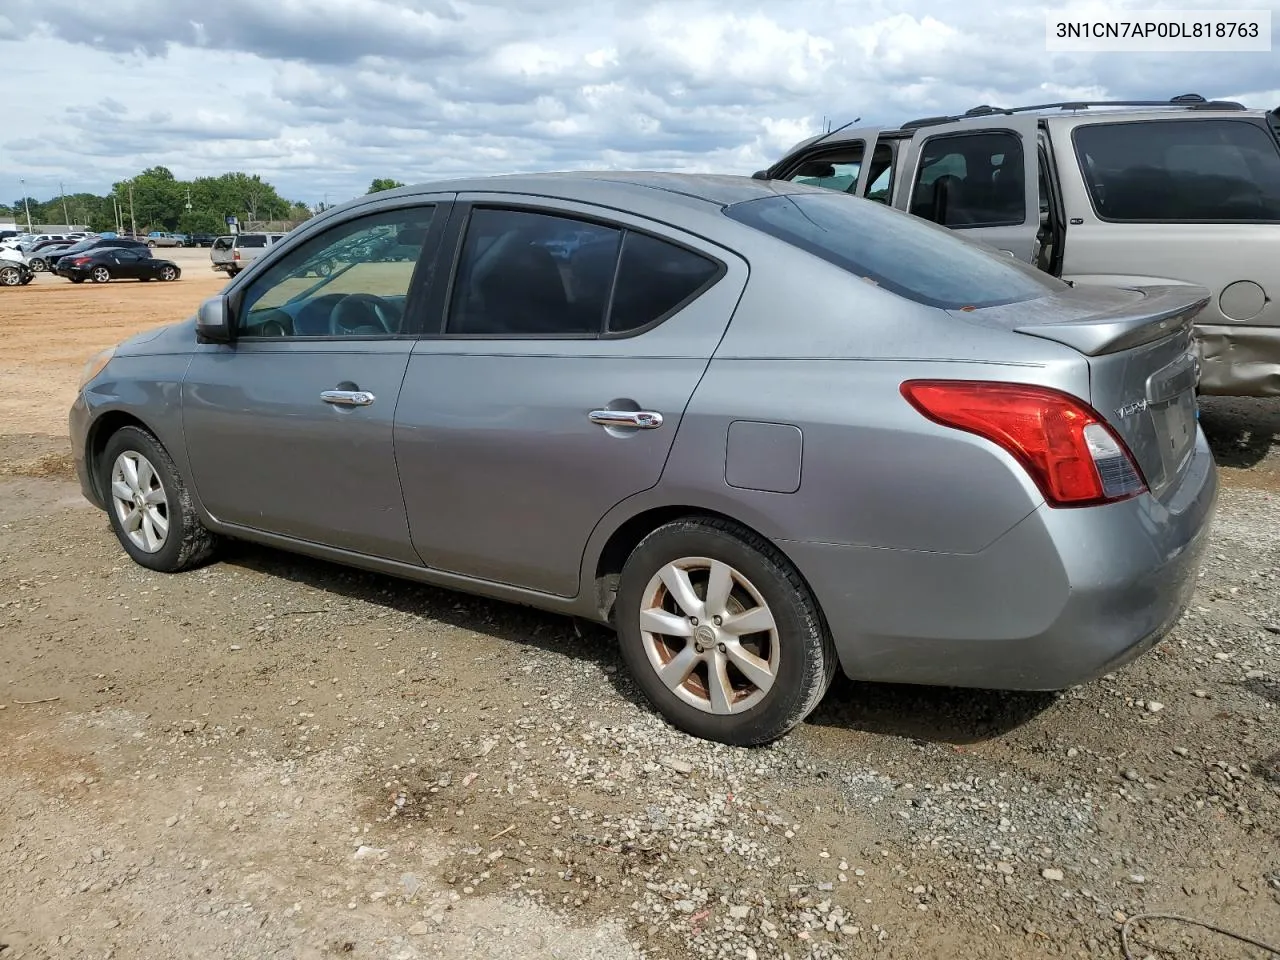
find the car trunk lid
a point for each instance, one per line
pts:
(1143, 367)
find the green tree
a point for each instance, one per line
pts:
(299, 212)
(382, 183)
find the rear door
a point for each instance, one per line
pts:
(549, 392)
(978, 179)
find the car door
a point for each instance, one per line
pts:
(978, 179)
(289, 426)
(125, 264)
(549, 393)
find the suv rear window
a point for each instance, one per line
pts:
(895, 250)
(1188, 171)
(252, 240)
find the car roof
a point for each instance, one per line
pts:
(625, 189)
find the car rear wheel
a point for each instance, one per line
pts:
(100, 274)
(151, 244)
(149, 506)
(168, 273)
(38, 265)
(721, 633)
(10, 276)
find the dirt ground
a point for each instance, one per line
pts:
(277, 757)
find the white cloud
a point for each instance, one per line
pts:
(320, 96)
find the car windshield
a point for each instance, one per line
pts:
(895, 250)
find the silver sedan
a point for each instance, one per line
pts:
(764, 430)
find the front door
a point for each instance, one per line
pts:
(289, 427)
(126, 264)
(553, 390)
(981, 180)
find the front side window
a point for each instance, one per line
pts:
(529, 274)
(352, 279)
(971, 180)
(1185, 171)
(895, 251)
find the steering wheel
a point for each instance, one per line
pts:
(363, 313)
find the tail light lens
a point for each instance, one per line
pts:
(1075, 458)
(235, 254)
(81, 261)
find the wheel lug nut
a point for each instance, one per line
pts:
(717, 621)
(722, 648)
(694, 621)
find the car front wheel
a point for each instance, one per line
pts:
(10, 276)
(721, 633)
(168, 273)
(149, 506)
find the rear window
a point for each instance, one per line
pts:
(1188, 171)
(252, 241)
(223, 243)
(897, 251)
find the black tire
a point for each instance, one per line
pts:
(807, 659)
(151, 244)
(169, 273)
(38, 265)
(100, 275)
(10, 276)
(188, 543)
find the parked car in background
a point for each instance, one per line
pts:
(116, 263)
(39, 260)
(93, 243)
(162, 239)
(1102, 193)
(762, 429)
(234, 252)
(200, 240)
(14, 273)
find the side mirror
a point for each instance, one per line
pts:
(760, 175)
(213, 321)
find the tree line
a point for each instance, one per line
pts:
(156, 200)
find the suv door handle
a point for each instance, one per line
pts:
(348, 398)
(641, 419)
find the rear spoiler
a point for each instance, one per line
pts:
(1163, 312)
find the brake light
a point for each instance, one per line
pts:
(81, 261)
(1074, 457)
(235, 254)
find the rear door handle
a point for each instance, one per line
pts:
(641, 419)
(348, 398)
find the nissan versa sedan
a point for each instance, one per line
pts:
(762, 429)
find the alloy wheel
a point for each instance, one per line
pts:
(10, 276)
(709, 635)
(101, 274)
(140, 501)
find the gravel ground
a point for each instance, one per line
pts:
(276, 757)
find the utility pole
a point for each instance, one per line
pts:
(133, 223)
(63, 190)
(26, 206)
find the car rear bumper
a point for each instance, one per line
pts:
(1064, 597)
(1240, 360)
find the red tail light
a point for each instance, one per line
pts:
(1075, 458)
(80, 261)
(235, 254)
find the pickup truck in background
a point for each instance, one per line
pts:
(159, 238)
(233, 253)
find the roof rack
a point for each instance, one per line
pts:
(1190, 101)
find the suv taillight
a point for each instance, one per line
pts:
(1075, 458)
(235, 254)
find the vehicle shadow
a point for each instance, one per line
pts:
(932, 714)
(937, 715)
(1242, 431)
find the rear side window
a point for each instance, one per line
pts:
(223, 243)
(895, 250)
(252, 240)
(1189, 171)
(971, 180)
(532, 274)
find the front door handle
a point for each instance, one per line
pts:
(348, 398)
(642, 419)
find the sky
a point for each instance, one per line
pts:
(321, 96)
